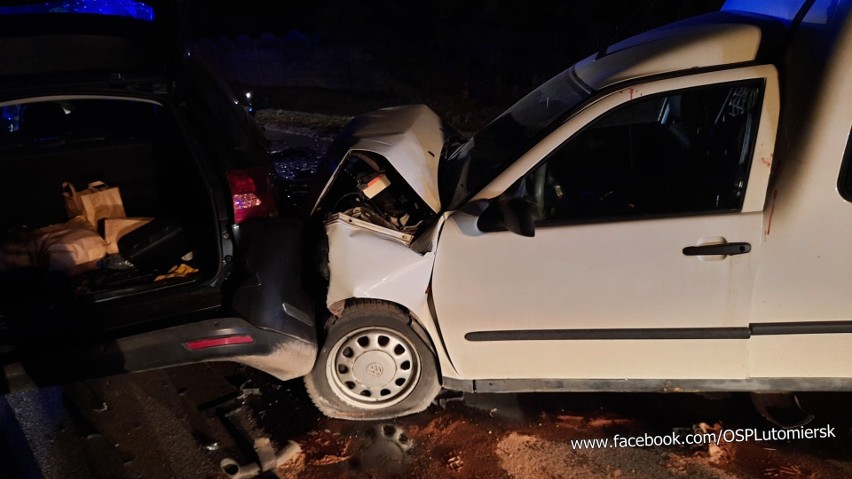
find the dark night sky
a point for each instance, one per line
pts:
(442, 52)
(413, 17)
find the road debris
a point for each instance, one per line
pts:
(268, 460)
(455, 462)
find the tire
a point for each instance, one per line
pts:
(373, 365)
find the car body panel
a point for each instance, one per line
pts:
(267, 280)
(655, 385)
(800, 355)
(786, 10)
(604, 359)
(676, 47)
(808, 220)
(281, 355)
(364, 264)
(605, 276)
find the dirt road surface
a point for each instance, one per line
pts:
(207, 420)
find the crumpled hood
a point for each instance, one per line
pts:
(410, 138)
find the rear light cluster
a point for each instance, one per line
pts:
(252, 192)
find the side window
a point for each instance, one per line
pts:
(684, 152)
(237, 140)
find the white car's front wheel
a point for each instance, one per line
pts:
(373, 365)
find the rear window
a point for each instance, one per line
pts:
(117, 8)
(132, 144)
(76, 121)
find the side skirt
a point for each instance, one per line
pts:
(648, 385)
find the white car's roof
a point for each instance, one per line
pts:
(709, 41)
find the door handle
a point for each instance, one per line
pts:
(724, 249)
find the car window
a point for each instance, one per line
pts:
(683, 152)
(125, 142)
(62, 123)
(237, 140)
(476, 162)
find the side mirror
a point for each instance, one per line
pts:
(514, 214)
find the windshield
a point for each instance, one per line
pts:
(470, 166)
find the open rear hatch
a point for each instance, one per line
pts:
(63, 270)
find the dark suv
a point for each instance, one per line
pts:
(110, 98)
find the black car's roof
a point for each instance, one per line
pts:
(34, 42)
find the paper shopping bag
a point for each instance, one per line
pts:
(67, 247)
(95, 203)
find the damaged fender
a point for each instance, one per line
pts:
(366, 263)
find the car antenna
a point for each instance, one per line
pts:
(605, 41)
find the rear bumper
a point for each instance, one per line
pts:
(281, 355)
(265, 307)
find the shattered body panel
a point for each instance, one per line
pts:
(365, 263)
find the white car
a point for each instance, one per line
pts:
(640, 222)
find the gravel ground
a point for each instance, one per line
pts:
(532, 439)
(184, 422)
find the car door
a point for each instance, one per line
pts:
(648, 209)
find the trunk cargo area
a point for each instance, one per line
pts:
(136, 146)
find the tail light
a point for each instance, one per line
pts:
(252, 192)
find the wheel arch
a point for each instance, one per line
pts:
(414, 321)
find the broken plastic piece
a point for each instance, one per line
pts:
(375, 186)
(270, 462)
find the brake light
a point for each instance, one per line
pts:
(220, 341)
(252, 192)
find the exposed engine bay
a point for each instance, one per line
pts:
(380, 210)
(368, 189)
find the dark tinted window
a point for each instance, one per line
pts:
(63, 123)
(680, 153)
(235, 139)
